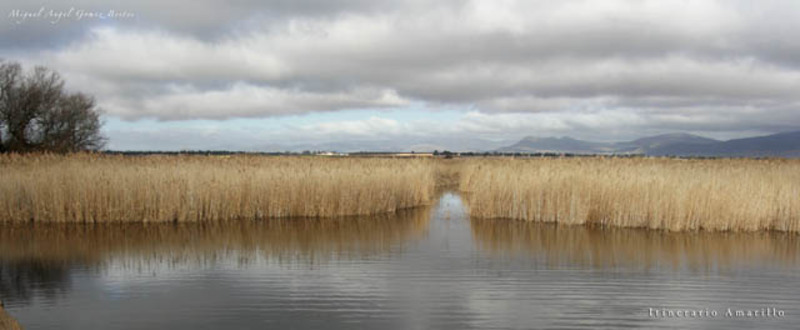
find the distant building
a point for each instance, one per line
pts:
(330, 153)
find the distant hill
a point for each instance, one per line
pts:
(647, 145)
(423, 144)
(562, 144)
(680, 144)
(776, 145)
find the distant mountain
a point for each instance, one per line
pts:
(391, 145)
(776, 145)
(562, 144)
(681, 144)
(647, 145)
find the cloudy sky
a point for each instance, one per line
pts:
(264, 75)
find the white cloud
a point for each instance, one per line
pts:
(699, 65)
(370, 127)
(245, 100)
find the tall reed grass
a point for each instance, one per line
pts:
(103, 188)
(670, 194)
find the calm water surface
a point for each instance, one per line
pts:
(429, 268)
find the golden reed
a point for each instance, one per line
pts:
(669, 194)
(103, 188)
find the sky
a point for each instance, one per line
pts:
(283, 74)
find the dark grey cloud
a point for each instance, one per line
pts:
(708, 66)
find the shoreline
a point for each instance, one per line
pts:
(7, 322)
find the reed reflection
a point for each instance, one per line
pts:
(564, 245)
(38, 258)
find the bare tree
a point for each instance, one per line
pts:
(10, 75)
(73, 125)
(36, 114)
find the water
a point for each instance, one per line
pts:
(429, 268)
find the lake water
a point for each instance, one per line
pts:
(429, 268)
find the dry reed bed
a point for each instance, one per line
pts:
(100, 188)
(670, 194)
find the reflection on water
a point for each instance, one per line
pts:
(306, 239)
(23, 279)
(428, 268)
(38, 257)
(637, 248)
